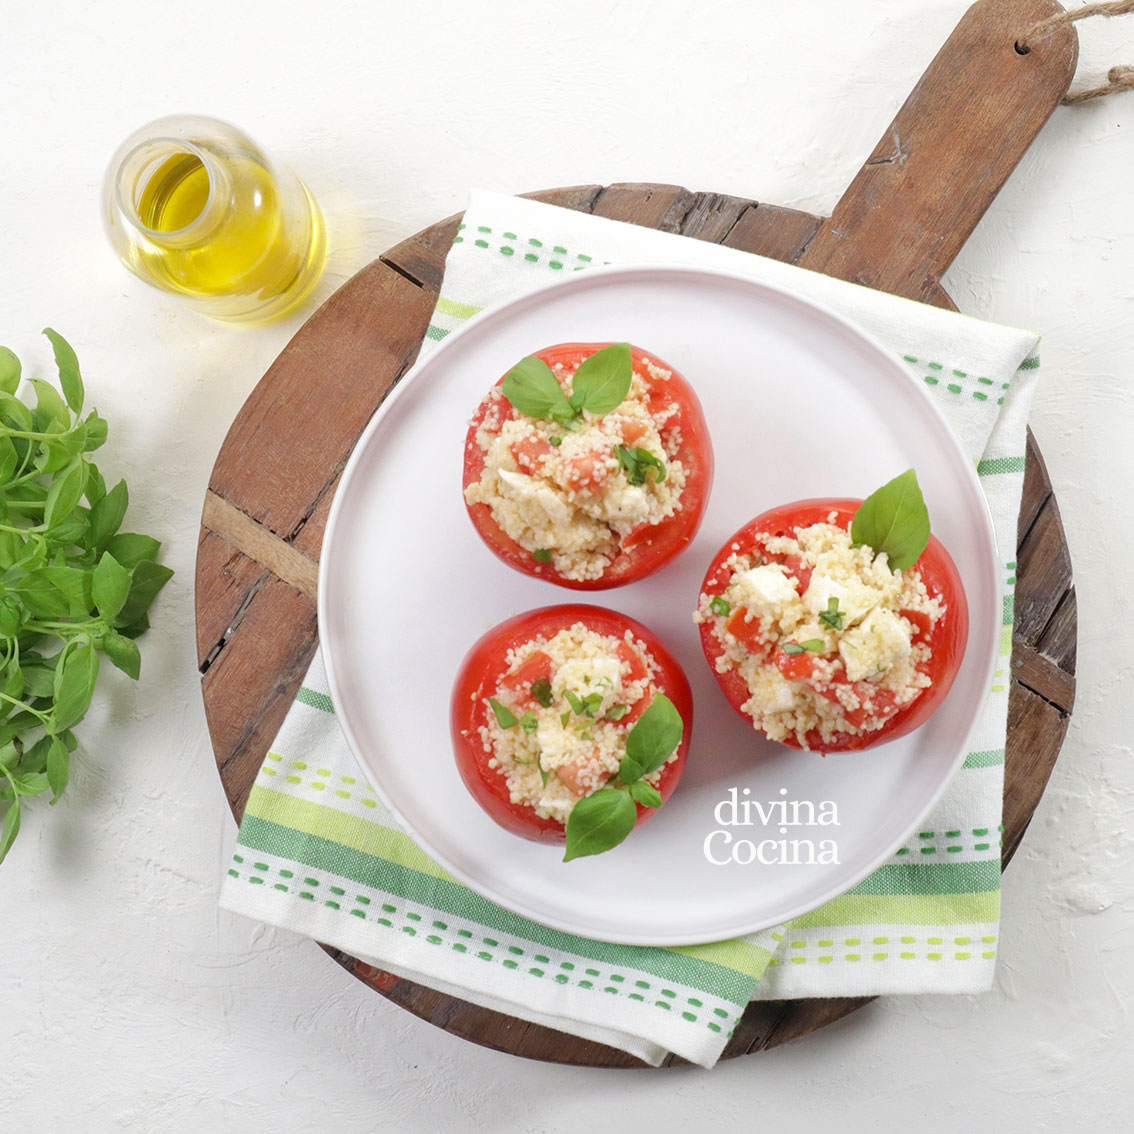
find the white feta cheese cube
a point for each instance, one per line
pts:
(765, 590)
(528, 491)
(835, 579)
(875, 645)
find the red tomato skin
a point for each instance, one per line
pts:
(652, 549)
(942, 580)
(479, 677)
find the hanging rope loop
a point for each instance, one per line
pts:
(1119, 78)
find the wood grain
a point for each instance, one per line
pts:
(954, 143)
(898, 227)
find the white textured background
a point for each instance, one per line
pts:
(127, 1002)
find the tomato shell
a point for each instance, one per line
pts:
(652, 547)
(480, 676)
(942, 581)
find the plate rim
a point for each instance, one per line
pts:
(581, 280)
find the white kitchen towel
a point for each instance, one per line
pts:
(317, 852)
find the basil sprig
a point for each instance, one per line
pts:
(637, 462)
(894, 520)
(72, 586)
(600, 385)
(603, 819)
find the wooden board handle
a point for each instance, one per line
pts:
(954, 143)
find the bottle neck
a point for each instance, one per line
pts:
(172, 192)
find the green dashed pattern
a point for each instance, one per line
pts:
(403, 919)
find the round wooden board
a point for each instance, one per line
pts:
(275, 476)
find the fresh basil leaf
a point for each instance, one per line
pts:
(720, 606)
(68, 366)
(124, 653)
(11, 407)
(56, 592)
(110, 586)
(39, 681)
(64, 494)
(574, 701)
(96, 486)
(49, 406)
(148, 580)
(533, 389)
(528, 722)
(602, 380)
(10, 371)
(9, 459)
(815, 645)
(130, 549)
(542, 555)
(541, 691)
(645, 794)
(74, 686)
(598, 822)
(94, 432)
(58, 767)
(894, 520)
(107, 515)
(135, 629)
(505, 718)
(10, 829)
(616, 712)
(652, 740)
(30, 783)
(9, 617)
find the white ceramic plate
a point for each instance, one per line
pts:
(800, 403)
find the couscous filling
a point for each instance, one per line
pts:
(556, 727)
(577, 496)
(828, 639)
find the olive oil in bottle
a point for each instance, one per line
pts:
(194, 207)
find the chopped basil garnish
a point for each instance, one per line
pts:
(637, 462)
(720, 606)
(574, 701)
(541, 691)
(616, 712)
(815, 645)
(564, 718)
(832, 615)
(505, 718)
(591, 702)
(528, 722)
(557, 441)
(541, 555)
(542, 770)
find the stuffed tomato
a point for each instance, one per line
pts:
(588, 464)
(571, 724)
(835, 624)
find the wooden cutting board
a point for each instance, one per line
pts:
(898, 227)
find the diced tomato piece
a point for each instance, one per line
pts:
(519, 682)
(530, 452)
(797, 667)
(633, 659)
(571, 775)
(632, 430)
(794, 566)
(637, 672)
(920, 622)
(747, 631)
(586, 472)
